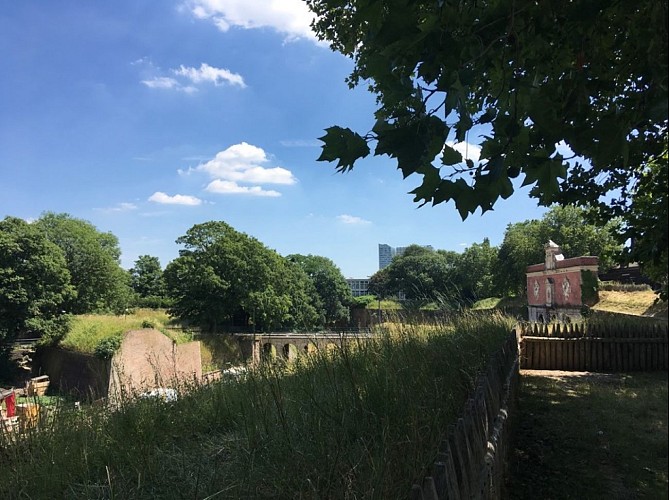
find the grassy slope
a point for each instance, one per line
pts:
(637, 303)
(89, 329)
(359, 423)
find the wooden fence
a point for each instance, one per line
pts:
(472, 460)
(597, 347)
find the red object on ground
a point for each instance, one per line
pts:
(10, 403)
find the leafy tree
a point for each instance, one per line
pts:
(524, 242)
(222, 274)
(650, 210)
(34, 285)
(378, 284)
(524, 77)
(93, 261)
(333, 291)
(421, 274)
(147, 280)
(475, 271)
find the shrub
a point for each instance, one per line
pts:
(148, 324)
(107, 347)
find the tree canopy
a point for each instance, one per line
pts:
(333, 291)
(422, 275)
(223, 278)
(147, 277)
(34, 284)
(570, 98)
(476, 270)
(524, 242)
(92, 258)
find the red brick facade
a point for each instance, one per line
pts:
(554, 287)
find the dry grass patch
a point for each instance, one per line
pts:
(638, 303)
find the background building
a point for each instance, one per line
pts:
(358, 286)
(386, 253)
(559, 288)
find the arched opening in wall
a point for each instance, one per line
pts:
(310, 348)
(330, 348)
(268, 352)
(290, 352)
(541, 319)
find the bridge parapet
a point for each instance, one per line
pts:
(255, 346)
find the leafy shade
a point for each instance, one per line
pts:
(34, 284)
(568, 97)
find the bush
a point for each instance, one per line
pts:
(107, 347)
(148, 324)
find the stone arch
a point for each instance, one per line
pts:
(310, 347)
(290, 352)
(268, 352)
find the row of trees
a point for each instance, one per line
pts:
(226, 278)
(58, 265)
(481, 270)
(53, 267)
(222, 279)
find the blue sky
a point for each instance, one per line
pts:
(146, 118)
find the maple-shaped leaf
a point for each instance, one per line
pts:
(344, 146)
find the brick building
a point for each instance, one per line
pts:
(559, 288)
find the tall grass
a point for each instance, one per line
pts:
(360, 421)
(88, 330)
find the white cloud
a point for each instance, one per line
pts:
(161, 82)
(243, 163)
(206, 73)
(467, 150)
(229, 187)
(351, 219)
(164, 82)
(177, 199)
(120, 207)
(291, 18)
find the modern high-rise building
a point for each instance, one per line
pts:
(386, 253)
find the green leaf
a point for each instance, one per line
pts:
(545, 178)
(415, 144)
(344, 146)
(450, 156)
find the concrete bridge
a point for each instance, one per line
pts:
(256, 347)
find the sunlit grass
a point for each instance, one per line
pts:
(89, 329)
(358, 421)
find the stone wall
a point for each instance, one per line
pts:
(148, 359)
(82, 375)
